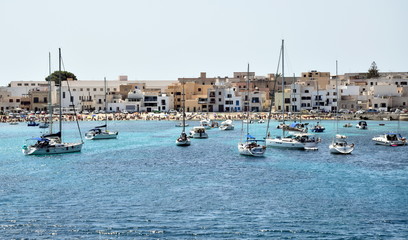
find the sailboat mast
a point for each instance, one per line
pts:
(337, 100)
(248, 101)
(283, 85)
(60, 93)
(283, 81)
(184, 113)
(106, 107)
(50, 110)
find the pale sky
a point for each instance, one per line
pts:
(168, 39)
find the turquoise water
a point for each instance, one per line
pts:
(143, 186)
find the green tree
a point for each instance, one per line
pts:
(55, 76)
(373, 71)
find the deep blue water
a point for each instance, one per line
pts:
(143, 186)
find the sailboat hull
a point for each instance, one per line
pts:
(53, 149)
(341, 149)
(247, 150)
(101, 136)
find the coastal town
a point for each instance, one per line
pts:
(375, 96)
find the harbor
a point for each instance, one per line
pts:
(143, 186)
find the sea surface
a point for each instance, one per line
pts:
(142, 186)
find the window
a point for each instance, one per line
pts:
(32, 84)
(71, 98)
(219, 99)
(101, 89)
(10, 100)
(81, 89)
(199, 89)
(63, 94)
(229, 95)
(88, 89)
(18, 100)
(306, 91)
(294, 90)
(25, 84)
(19, 84)
(163, 102)
(35, 100)
(94, 89)
(219, 93)
(74, 90)
(237, 102)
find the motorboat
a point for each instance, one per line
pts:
(227, 125)
(347, 125)
(261, 121)
(205, 123)
(198, 132)
(43, 125)
(318, 128)
(390, 139)
(303, 141)
(339, 145)
(32, 124)
(362, 125)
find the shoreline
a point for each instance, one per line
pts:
(200, 116)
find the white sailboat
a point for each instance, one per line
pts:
(227, 125)
(250, 146)
(98, 133)
(183, 140)
(339, 144)
(301, 140)
(52, 143)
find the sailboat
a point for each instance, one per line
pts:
(300, 140)
(97, 133)
(250, 146)
(183, 140)
(318, 127)
(52, 143)
(339, 144)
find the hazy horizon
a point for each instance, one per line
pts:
(166, 40)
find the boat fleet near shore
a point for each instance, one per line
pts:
(297, 135)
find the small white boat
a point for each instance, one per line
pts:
(297, 141)
(205, 123)
(43, 125)
(261, 121)
(198, 132)
(362, 125)
(180, 124)
(339, 145)
(98, 134)
(251, 148)
(183, 140)
(227, 125)
(390, 139)
(249, 121)
(348, 125)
